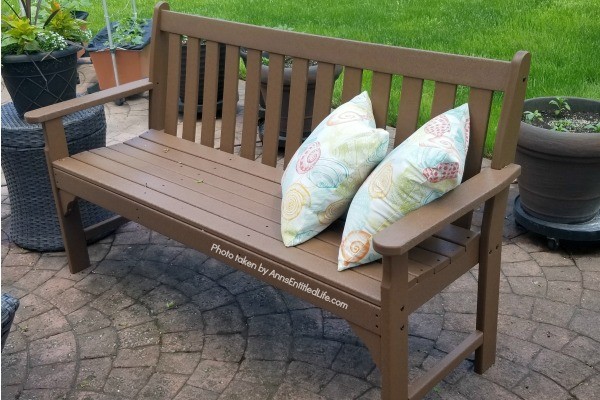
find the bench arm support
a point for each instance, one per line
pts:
(420, 224)
(81, 103)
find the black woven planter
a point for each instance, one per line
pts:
(33, 221)
(221, 80)
(39, 80)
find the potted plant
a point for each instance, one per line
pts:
(130, 39)
(39, 58)
(559, 151)
(287, 82)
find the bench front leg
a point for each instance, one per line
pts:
(488, 290)
(394, 328)
(67, 208)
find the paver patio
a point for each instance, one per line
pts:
(152, 319)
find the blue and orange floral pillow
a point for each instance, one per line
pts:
(422, 168)
(328, 168)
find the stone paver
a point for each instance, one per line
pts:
(153, 320)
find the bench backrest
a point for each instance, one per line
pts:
(481, 77)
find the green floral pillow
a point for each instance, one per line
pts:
(422, 168)
(328, 168)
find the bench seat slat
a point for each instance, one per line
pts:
(204, 164)
(267, 210)
(248, 166)
(200, 200)
(191, 172)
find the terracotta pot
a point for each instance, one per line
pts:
(560, 178)
(132, 65)
(39, 80)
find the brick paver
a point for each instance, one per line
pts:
(153, 320)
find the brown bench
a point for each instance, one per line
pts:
(227, 205)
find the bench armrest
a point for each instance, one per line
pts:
(81, 103)
(420, 224)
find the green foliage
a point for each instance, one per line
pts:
(594, 127)
(76, 5)
(531, 116)
(562, 125)
(561, 104)
(19, 36)
(129, 32)
(69, 27)
(27, 34)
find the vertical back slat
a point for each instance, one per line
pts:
(251, 102)
(380, 97)
(158, 70)
(295, 125)
(480, 103)
(408, 109)
(230, 98)
(323, 92)
(273, 112)
(173, 75)
(190, 102)
(209, 102)
(443, 98)
(352, 83)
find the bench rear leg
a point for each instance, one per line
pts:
(489, 280)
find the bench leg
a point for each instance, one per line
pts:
(394, 329)
(72, 231)
(489, 280)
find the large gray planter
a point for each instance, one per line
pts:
(285, 99)
(560, 178)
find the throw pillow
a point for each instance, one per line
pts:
(422, 168)
(328, 168)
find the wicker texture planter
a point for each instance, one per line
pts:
(33, 221)
(560, 179)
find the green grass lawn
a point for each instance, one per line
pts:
(562, 35)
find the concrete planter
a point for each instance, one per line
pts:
(560, 178)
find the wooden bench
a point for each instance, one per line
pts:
(227, 205)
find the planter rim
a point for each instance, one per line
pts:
(22, 58)
(566, 144)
